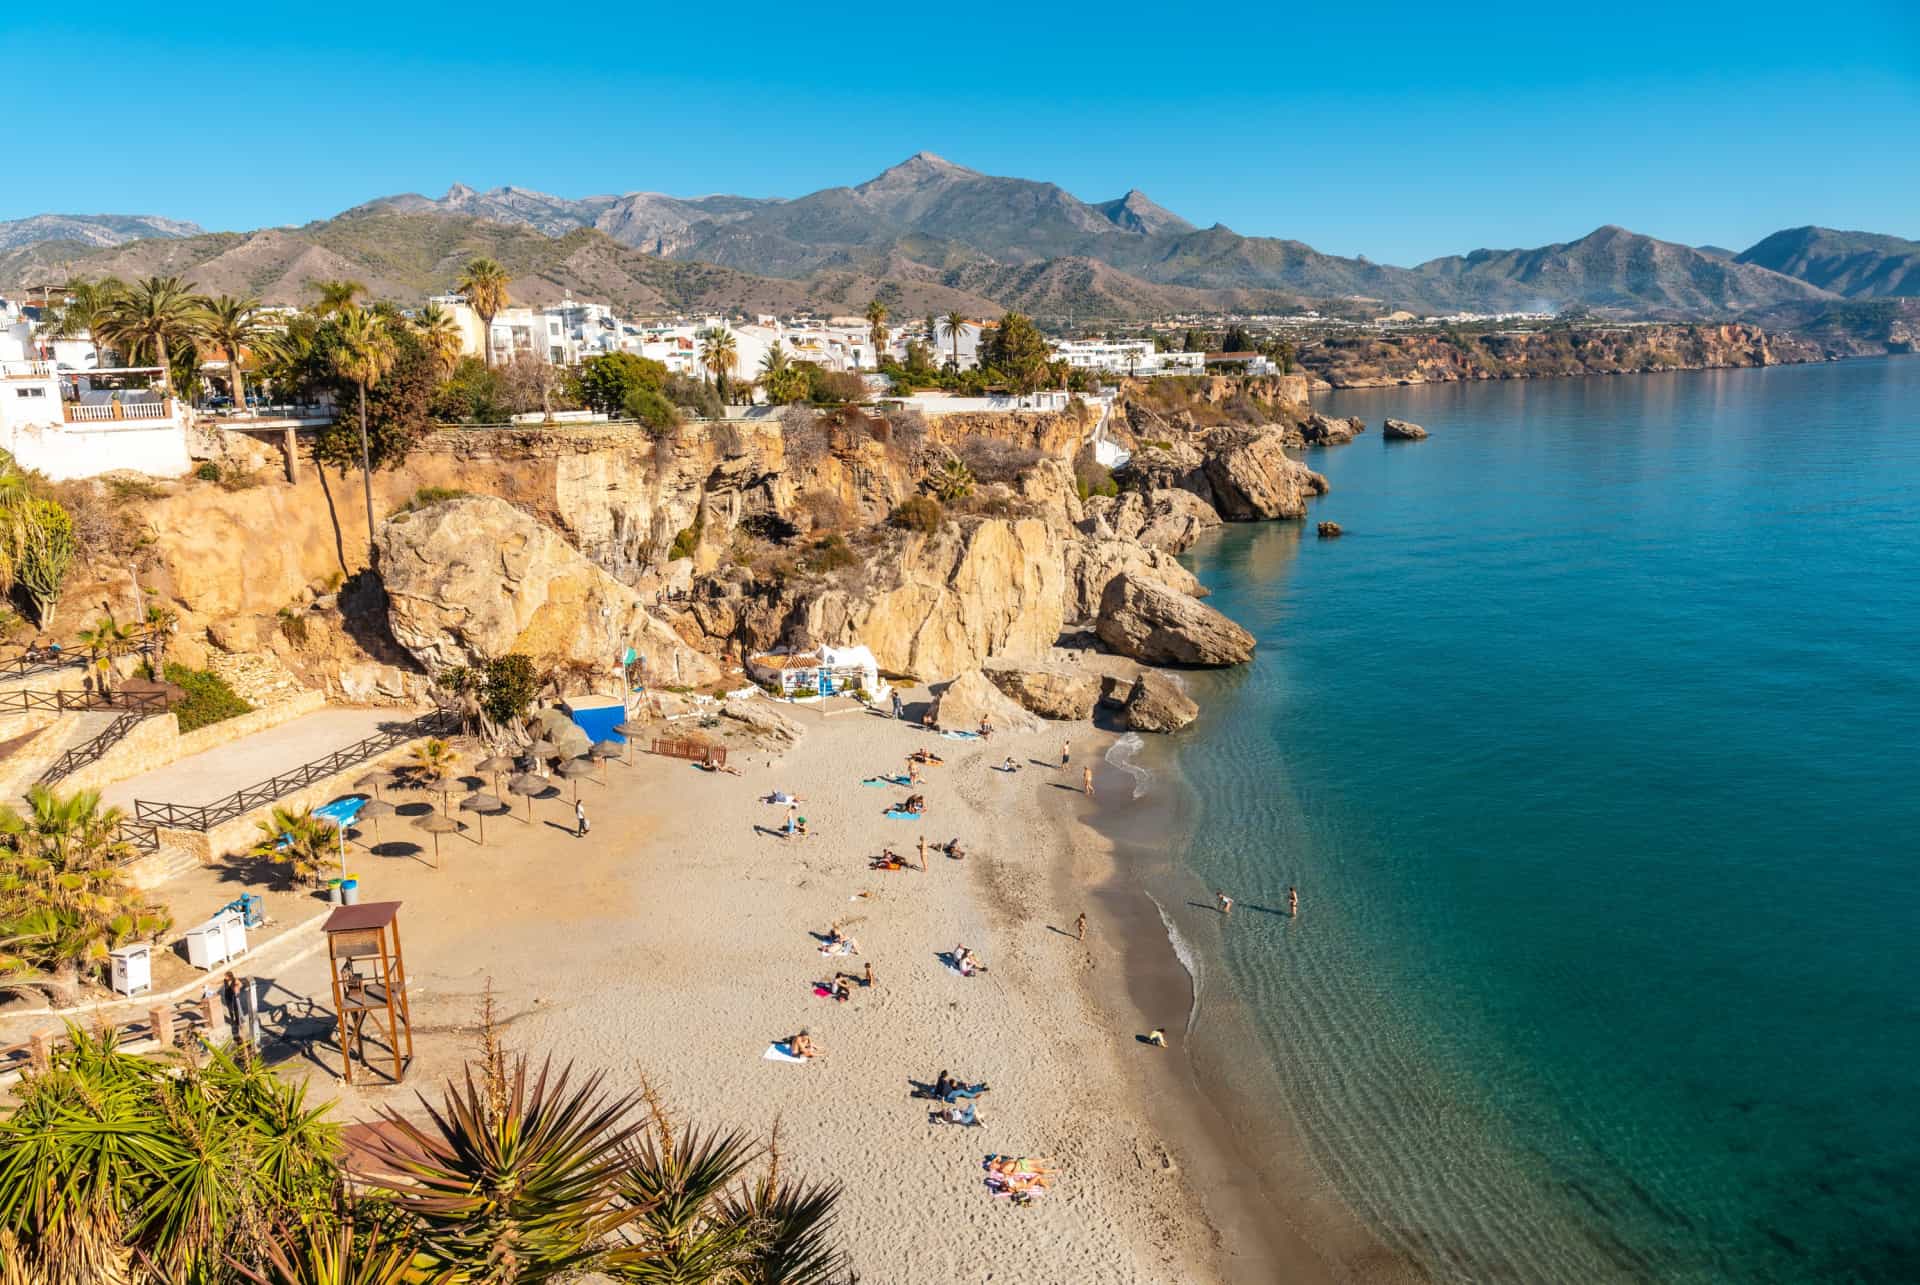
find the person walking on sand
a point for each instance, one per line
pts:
(1157, 1037)
(923, 854)
(899, 710)
(868, 984)
(1080, 927)
(579, 819)
(1225, 903)
(1065, 756)
(1293, 901)
(793, 810)
(1086, 781)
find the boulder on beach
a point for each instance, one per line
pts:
(472, 579)
(971, 697)
(1051, 691)
(1325, 430)
(1400, 430)
(1328, 530)
(1158, 704)
(1151, 623)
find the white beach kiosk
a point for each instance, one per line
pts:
(819, 671)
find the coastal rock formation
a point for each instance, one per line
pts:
(972, 697)
(946, 602)
(1165, 464)
(1091, 566)
(768, 724)
(1051, 691)
(1376, 361)
(1325, 430)
(1158, 704)
(1151, 623)
(1399, 430)
(472, 579)
(1253, 477)
(1328, 530)
(1168, 519)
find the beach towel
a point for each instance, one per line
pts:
(887, 780)
(895, 814)
(836, 948)
(961, 736)
(822, 991)
(781, 1053)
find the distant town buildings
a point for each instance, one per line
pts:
(1133, 357)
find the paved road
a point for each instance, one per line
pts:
(217, 773)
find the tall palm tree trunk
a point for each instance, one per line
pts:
(486, 339)
(166, 366)
(239, 383)
(366, 473)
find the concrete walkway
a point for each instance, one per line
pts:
(216, 773)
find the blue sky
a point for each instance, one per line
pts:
(1401, 132)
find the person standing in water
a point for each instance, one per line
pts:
(1225, 903)
(1293, 901)
(1086, 781)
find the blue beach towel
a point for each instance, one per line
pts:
(961, 736)
(896, 814)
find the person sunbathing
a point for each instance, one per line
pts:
(838, 991)
(916, 804)
(925, 756)
(966, 1116)
(781, 796)
(802, 1045)
(967, 962)
(838, 943)
(954, 850)
(887, 860)
(1009, 765)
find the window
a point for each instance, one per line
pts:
(29, 392)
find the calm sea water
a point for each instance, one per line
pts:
(1592, 748)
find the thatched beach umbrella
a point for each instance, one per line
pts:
(629, 729)
(527, 785)
(494, 765)
(482, 804)
(604, 750)
(436, 824)
(377, 780)
(373, 810)
(542, 750)
(573, 770)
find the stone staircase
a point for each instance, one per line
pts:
(258, 678)
(25, 766)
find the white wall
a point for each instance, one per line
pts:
(158, 449)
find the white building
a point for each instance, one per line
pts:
(67, 424)
(820, 672)
(1127, 357)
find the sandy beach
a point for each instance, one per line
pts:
(681, 938)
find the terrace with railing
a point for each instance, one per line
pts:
(116, 411)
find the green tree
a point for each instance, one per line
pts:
(441, 335)
(230, 323)
(719, 354)
(86, 311)
(877, 329)
(955, 322)
(1237, 339)
(63, 901)
(151, 318)
(106, 642)
(45, 544)
(336, 296)
(298, 839)
(484, 286)
(362, 352)
(607, 381)
(1019, 353)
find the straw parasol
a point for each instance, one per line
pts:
(483, 804)
(377, 780)
(604, 750)
(629, 729)
(542, 749)
(573, 770)
(493, 766)
(373, 810)
(528, 785)
(436, 824)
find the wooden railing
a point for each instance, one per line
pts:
(23, 702)
(697, 751)
(205, 816)
(164, 1022)
(78, 414)
(92, 751)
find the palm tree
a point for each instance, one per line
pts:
(86, 309)
(774, 362)
(362, 353)
(719, 354)
(107, 640)
(150, 317)
(955, 322)
(231, 323)
(433, 760)
(336, 296)
(484, 286)
(877, 329)
(441, 333)
(299, 839)
(159, 623)
(63, 901)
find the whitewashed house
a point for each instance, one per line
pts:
(821, 671)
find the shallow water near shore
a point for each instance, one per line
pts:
(1588, 747)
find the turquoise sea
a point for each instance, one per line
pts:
(1592, 749)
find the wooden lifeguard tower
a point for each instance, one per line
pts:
(369, 978)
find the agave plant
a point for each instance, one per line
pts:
(680, 1232)
(953, 480)
(510, 1182)
(339, 1257)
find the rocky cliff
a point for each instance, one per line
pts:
(1368, 361)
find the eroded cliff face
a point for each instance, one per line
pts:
(1376, 361)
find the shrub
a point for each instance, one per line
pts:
(651, 409)
(208, 700)
(991, 460)
(693, 395)
(922, 513)
(829, 554)
(1093, 478)
(426, 495)
(126, 490)
(293, 625)
(239, 481)
(208, 471)
(684, 544)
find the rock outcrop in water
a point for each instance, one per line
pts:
(1158, 704)
(1151, 623)
(1400, 430)
(1051, 691)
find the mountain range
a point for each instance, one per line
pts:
(928, 234)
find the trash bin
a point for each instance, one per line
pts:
(334, 894)
(350, 892)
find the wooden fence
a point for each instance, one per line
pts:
(163, 1022)
(697, 751)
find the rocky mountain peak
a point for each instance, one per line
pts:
(459, 192)
(916, 170)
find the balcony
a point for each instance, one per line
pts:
(111, 412)
(27, 370)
